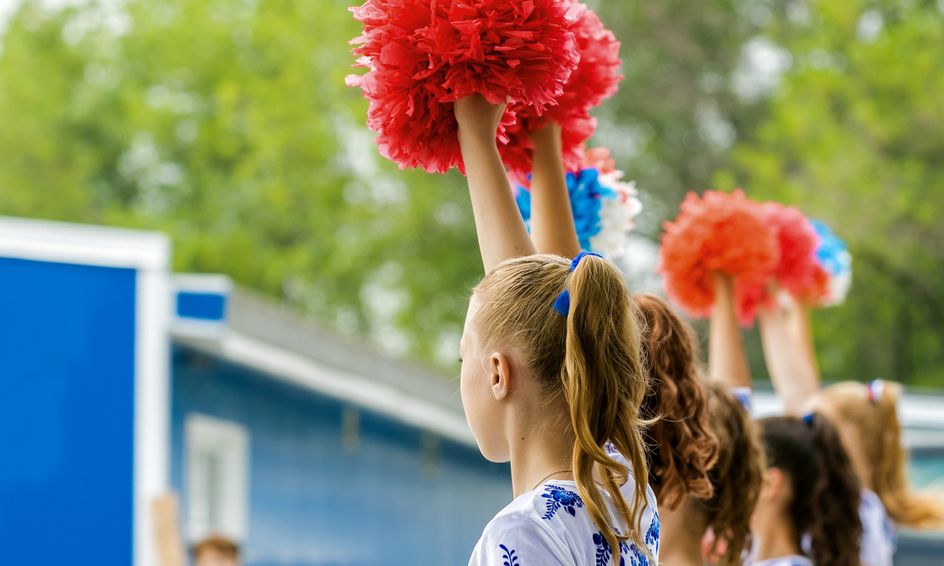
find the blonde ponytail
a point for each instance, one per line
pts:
(873, 412)
(604, 386)
(587, 355)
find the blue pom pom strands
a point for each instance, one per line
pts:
(834, 257)
(586, 200)
(603, 207)
(562, 302)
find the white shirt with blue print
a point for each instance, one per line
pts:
(878, 532)
(795, 560)
(550, 526)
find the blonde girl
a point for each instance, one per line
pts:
(866, 416)
(552, 382)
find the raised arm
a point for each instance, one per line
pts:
(552, 221)
(788, 353)
(727, 362)
(501, 231)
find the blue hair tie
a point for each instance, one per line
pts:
(562, 302)
(809, 418)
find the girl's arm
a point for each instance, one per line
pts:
(789, 355)
(552, 222)
(498, 224)
(727, 362)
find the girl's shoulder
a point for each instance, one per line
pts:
(550, 525)
(628, 489)
(522, 533)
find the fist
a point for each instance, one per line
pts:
(476, 115)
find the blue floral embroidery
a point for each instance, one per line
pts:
(557, 498)
(604, 552)
(638, 557)
(652, 535)
(509, 556)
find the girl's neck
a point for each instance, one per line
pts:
(778, 539)
(540, 452)
(682, 532)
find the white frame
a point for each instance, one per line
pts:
(199, 283)
(148, 253)
(231, 440)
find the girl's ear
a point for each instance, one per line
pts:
(500, 375)
(775, 485)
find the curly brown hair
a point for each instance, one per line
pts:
(826, 491)
(680, 446)
(737, 476)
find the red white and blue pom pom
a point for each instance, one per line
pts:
(595, 79)
(834, 258)
(603, 204)
(423, 55)
(797, 273)
(716, 232)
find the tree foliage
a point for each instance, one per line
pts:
(227, 124)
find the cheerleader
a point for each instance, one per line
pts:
(811, 492)
(866, 416)
(552, 382)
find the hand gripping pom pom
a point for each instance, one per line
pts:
(834, 257)
(797, 272)
(717, 232)
(421, 56)
(603, 205)
(595, 79)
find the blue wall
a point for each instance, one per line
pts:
(67, 342)
(315, 500)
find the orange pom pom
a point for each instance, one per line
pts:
(797, 272)
(717, 232)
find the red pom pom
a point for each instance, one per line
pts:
(421, 56)
(723, 232)
(797, 272)
(595, 79)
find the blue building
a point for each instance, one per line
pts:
(121, 381)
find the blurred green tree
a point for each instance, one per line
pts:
(227, 124)
(854, 135)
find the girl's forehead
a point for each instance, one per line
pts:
(469, 331)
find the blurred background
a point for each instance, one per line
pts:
(226, 126)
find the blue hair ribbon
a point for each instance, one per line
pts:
(562, 302)
(808, 418)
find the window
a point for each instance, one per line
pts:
(217, 477)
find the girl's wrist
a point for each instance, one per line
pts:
(476, 137)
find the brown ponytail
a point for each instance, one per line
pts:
(877, 431)
(737, 476)
(825, 489)
(681, 446)
(590, 358)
